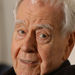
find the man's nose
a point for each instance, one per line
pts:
(29, 44)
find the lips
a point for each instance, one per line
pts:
(28, 61)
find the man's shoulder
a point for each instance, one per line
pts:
(10, 72)
(65, 69)
(68, 70)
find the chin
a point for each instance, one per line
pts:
(27, 70)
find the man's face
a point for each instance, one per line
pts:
(38, 46)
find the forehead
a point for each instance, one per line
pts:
(40, 9)
(38, 5)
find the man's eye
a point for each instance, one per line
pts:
(43, 35)
(21, 32)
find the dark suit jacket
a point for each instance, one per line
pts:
(65, 69)
(3, 68)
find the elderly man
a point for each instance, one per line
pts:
(43, 38)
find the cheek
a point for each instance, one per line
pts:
(16, 45)
(44, 52)
(15, 48)
(50, 52)
(51, 56)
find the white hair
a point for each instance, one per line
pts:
(69, 10)
(16, 7)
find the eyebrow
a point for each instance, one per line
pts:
(19, 22)
(47, 26)
(38, 26)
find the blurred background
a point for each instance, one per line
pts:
(6, 30)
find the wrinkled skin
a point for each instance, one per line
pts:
(37, 51)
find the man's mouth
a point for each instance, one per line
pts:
(29, 62)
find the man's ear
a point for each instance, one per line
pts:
(69, 48)
(74, 37)
(71, 41)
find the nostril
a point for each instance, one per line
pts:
(30, 51)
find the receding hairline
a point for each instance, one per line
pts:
(19, 2)
(52, 2)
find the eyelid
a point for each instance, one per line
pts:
(20, 30)
(20, 26)
(45, 33)
(43, 30)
